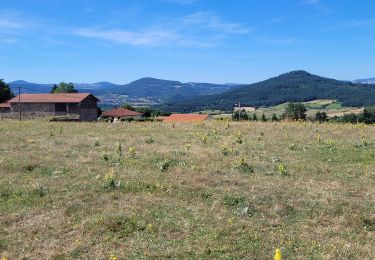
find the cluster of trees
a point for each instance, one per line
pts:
(146, 111)
(243, 116)
(367, 117)
(64, 88)
(5, 91)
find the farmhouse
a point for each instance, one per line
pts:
(81, 106)
(119, 114)
(187, 118)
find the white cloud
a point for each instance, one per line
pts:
(206, 20)
(200, 29)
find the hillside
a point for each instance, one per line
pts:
(70, 191)
(293, 86)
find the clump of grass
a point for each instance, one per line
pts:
(97, 143)
(281, 169)
(132, 152)
(204, 138)
(105, 157)
(163, 165)
(30, 167)
(225, 150)
(292, 146)
(150, 140)
(119, 149)
(369, 223)
(237, 138)
(39, 189)
(260, 137)
(242, 165)
(233, 200)
(188, 147)
(119, 226)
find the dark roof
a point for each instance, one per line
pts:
(186, 118)
(52, 98)
(120, 112)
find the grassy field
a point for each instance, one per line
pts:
(214, 190)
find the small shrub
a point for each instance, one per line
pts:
(188, 147)
(105, 157)
(119, 149)
(97, 143)
(163, 165)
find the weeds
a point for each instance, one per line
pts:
(163, 165)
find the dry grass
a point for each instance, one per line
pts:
(69, 190)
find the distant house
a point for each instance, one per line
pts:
(247, 109)
(187, 118)
(81, 106)
(119, 114)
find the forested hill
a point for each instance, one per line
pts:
(294, 86)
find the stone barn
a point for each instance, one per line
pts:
(81, 106)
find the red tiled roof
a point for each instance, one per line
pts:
(120, 112)
(51, 98)
(186, 118)
(5, 105)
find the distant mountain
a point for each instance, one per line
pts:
(293, 86)
(150, 89)
(365, 81)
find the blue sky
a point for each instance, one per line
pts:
(217, 41)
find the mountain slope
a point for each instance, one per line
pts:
(168, 90)
(157, 90)
(293, 86)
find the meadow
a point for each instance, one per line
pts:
(213, 190)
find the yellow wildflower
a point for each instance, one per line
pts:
(278, 255)
(78, 242)
(113, 257)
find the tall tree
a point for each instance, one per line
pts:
(64, 88)
(295, 111)
(5, 91)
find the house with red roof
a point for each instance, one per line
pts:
(121, 114)
(187, 118)
(80, 106)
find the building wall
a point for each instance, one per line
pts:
(87, 110)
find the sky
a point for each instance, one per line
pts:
(218, 41)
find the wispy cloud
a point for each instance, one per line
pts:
(312, 2)
(207, 20)
(201, 29)
(288, 40)
(146, 37)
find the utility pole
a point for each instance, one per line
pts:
(19, 102)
